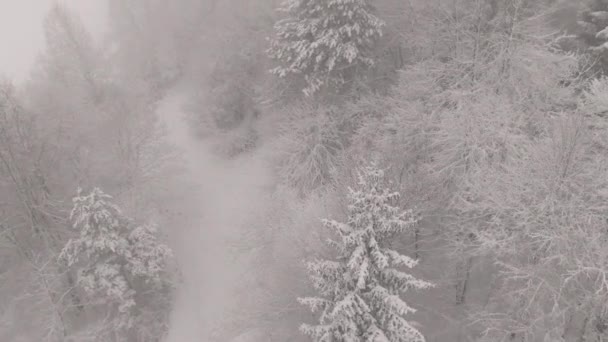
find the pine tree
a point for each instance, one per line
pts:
(114, 256)
(324, 40)
(361, 291)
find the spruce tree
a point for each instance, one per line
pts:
(324, 40)
(115, 258)
(360, 292)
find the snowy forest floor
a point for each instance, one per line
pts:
(214, 198)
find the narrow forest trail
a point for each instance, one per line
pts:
(215, 199)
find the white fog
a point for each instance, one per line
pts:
(303, 170)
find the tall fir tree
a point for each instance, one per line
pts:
(361, 291)
(325, 40)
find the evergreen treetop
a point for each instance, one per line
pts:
(324, 40)
(360, 292)
(114, 256)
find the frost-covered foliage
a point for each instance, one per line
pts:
(503, 146)
(453, 129)
(498, 146)
(361, 290)
(312, 148)
(595, 96)
(115, 258)
(595, 101)
(324, 40)
(593, 27)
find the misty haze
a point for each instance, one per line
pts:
(303, 170)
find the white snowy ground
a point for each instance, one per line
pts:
(215, 198)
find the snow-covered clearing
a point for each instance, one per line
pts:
(215, 199)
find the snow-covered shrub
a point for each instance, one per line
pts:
(596, 96)
(596, 109)
(117, 260)
(360, 292)
(324, 40)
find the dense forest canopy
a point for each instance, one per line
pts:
(309, 170)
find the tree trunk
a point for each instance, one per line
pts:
(461, 286)
(416, 242)
(581, 337)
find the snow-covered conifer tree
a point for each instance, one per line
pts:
(360, 292)
(324, 40)
(113, 255)
(593, 29)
